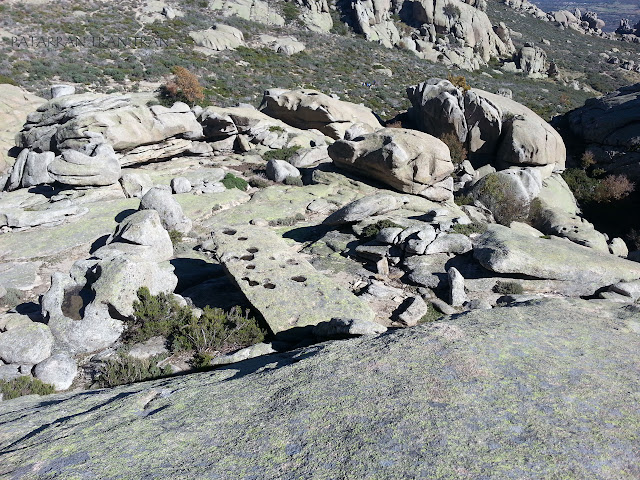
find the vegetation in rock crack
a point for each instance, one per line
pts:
(24, 385)
(470, 228)
(452, 11)
(370, 231)
(123, 370)
(175, 236)
(183, 87)
(276, 128)
(287, 221)
(458, 80)
(456, 148)
(12, 298)
(290, 11)
(214, 330)
(508, 288)
(281, 153)
(432, 314)
(231, 181)
(463, 199)
(295, 181)
(507, 206)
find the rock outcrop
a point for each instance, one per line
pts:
(609, 127)
(460, 382)
(492, 127)
(254, 10)
(15, 105)
(217, 38)
(92, 135)
(407, 160)
(503, 250)
(310, 109)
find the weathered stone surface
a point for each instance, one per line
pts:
(28, 343)
(489, 125)
(61, 90)
(457, 295)
(152, 347)
(252, 351)
(180, 185)
(465, 377)
(450, 243)
(364, 208)
(15, 104)
(287, 45)
(503, 250)
(218, 37)
(144, 229)
(310, 109)
(279, 283)
(135, 184)
(169, 210)
(407, 160)
(532, 60)
(75, 168)
(58, 370)
(416, 309)
(341, 327)
(278, 170)
(121, 277)
(253, 10)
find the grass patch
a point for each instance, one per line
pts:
(231, 181)
(281, 153)
(175, 236)
(432, 315)
(24, 385)
(475, 227)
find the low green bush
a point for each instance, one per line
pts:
(123, 369)
(432, 315)
(231, 181)
(281, 153)
(24, 385)
(370, 231)
(456, 148)
(475, 227)
(295, 181)
(175, 236)
(508, 288)
(461, 200)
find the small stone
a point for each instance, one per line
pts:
(416, 309)
(58, 370)
(457, 294)
(29, 344)
(382, 266)
(442, 306)
(180, 185)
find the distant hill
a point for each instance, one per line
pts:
(611, 11)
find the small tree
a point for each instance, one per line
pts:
(456, 148)
(613, 187)
(184, 86)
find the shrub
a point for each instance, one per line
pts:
(231, 181)
(370, 231)
(24, 385)
(124, 369)
(587, 160)
(456, 148)
(582, 186)
(475, 227)
(461, 200)
(184, 87)
(155, 315)
(175, 236)
(503, 202)
(259, 182)
(432, 315)
(276, 128)
(290, 11)
(296, 181)
(451, 11)
(216, 331)
(459, 81)
(613, 187)
(508, 288)
(9, 80)
(281, 153)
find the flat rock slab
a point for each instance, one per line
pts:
(41, 242)
(504, 250)
(280, 283)
(20, 275)
(540, 391)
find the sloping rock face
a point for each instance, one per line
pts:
(486, 392)
(503, 250)
(310, 109)
(218, 38)
(610, 127)
(15, 105)
(373, 20)
(470, 25)
(283, 286)
(407, 160)
(254, 10)
(91, 135)
(491, 126)
(316, 15)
